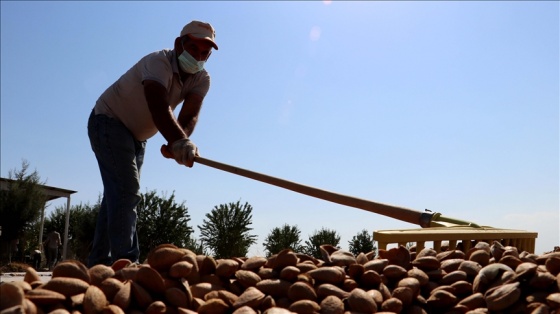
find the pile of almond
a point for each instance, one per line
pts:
(486, 279)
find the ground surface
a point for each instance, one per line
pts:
(18, 276)
(16, 272)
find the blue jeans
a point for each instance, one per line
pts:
(120, 157)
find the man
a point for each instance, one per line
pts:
(133, 109)
(51, 245)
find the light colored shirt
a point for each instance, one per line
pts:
(124, 100)
(53, 240)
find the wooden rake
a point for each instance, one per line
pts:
(443, 232)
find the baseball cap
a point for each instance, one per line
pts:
(200, 30)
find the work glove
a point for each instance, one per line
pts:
(184, 151)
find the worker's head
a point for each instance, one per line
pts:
(200, 32)
(196, 39)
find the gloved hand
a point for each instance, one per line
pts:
(184, 152)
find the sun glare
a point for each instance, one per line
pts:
(315, 33)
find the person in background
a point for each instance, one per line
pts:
(51, 245)
(37, 259)
(132, 110)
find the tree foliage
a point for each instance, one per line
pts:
(20, 207)
(318, 238)
(226, 232)
(196, 246)
(161, 220)
(81, 228)
(280, 238)
(362, 242)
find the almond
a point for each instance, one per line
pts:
(94, 300)
(361, 301)
(66, 285)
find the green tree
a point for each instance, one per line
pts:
(81, 228)
(285, 237)
(226, 232)
(161, 220)
(20, 208)
(318, 238)
(196, 246)
(362, 242)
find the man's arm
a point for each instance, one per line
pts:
(188, 116)
(158, 103)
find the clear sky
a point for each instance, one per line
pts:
(448, 106)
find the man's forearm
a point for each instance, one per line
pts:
(167, 125)
(188, 127)
(162, 115)
(188, 116)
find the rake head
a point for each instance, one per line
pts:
(456, 238)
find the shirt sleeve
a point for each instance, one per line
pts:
(157, 68)
(198, 84)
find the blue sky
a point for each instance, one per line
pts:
(451, 106)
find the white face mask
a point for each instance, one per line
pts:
(189, 64)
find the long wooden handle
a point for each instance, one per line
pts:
(400, 213)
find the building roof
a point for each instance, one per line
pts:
(51, 191)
